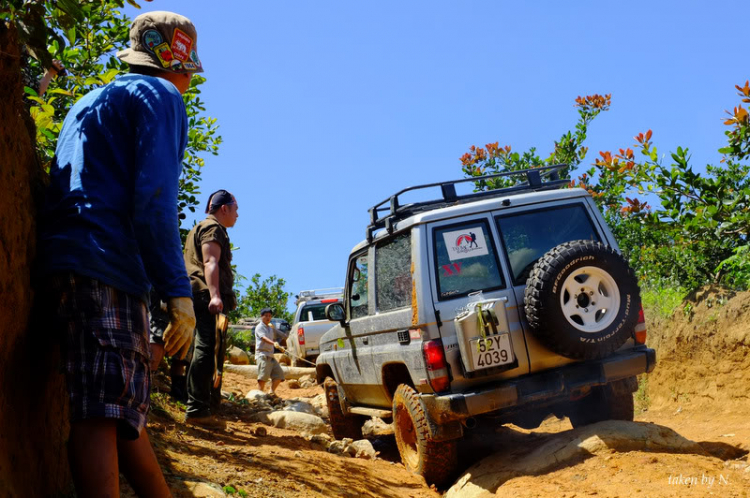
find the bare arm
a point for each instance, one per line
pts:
(211, 256)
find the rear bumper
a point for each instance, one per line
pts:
(558, 383)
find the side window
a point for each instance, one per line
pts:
(393, 273)
(358, 286)
(465, 260)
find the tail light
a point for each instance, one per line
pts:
(437, 367)
(301, 336)
(640, 328)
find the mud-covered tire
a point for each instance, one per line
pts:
(582, 300)
(342, 425)
(611, 402)
(434, 461)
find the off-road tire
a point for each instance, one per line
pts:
(434, 461)
(342, 425)
(548, 302)
(611, 402)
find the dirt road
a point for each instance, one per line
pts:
(695, 401)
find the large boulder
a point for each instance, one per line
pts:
(296, 421)
(485, 477)
(237, 356)
(296, 405)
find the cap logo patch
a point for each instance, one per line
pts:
(181, 45)
(190, 66)
(152, 38)
(194, 58)
(164, 55)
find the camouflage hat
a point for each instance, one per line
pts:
(163, 40)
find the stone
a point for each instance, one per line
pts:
(307, 384)
(297, 421)
(376, 427)
(336, 447)
(237, 356)
(299, 406)
(363, 449)
(260, 431)
(307, 378)
(204, 489)
(293, 384)
(486, 476)
(256, 395)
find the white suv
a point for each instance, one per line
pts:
(511, 304)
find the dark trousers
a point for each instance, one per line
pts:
(203, 398)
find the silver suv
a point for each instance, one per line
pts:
(509, 304)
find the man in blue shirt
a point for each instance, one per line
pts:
(109, 230)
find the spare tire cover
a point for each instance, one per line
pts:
(582, 300)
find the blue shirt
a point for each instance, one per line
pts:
(110, 211)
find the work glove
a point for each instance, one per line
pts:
(179, 333)
(279, 347)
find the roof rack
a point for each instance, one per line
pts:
(394, 211)
(310, 295)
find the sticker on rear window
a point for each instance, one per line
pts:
(467, 243)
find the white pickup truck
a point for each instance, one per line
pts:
(310, 323)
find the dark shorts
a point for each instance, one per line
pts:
(105, 351)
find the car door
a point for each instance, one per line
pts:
(353, 366)
(464, 259)
(526, 235)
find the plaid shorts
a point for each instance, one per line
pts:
(105, 351)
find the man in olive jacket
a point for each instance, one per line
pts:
(208, 259)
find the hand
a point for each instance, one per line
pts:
(157, 354)
(216, 305)
(279, 347)
(179, 333)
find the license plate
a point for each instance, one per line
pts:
(490, 352)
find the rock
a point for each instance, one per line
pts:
(484, 477)
(321, 439)
(297, 454)
(256, 395)
(260, 431)
(302, 422)
(305, 378)
(336, 447)
(293, 384)
(363, 449)
(300, 406)
(283, 359)
(237, 356)
(319, 404)
(376, 427)
(307, 384)
(204, 489)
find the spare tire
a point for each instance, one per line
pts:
(582, 300)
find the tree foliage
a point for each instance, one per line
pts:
(697, 231)
(84, 36)
(266, 293)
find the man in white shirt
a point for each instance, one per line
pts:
(265, 341)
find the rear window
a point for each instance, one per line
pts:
(465, 260)
(529, 235)
(313, 312)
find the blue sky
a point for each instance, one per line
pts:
(327, 108)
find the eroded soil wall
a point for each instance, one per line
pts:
(32, 407)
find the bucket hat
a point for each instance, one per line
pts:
(163, 40)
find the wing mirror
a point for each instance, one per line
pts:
(335, 313)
